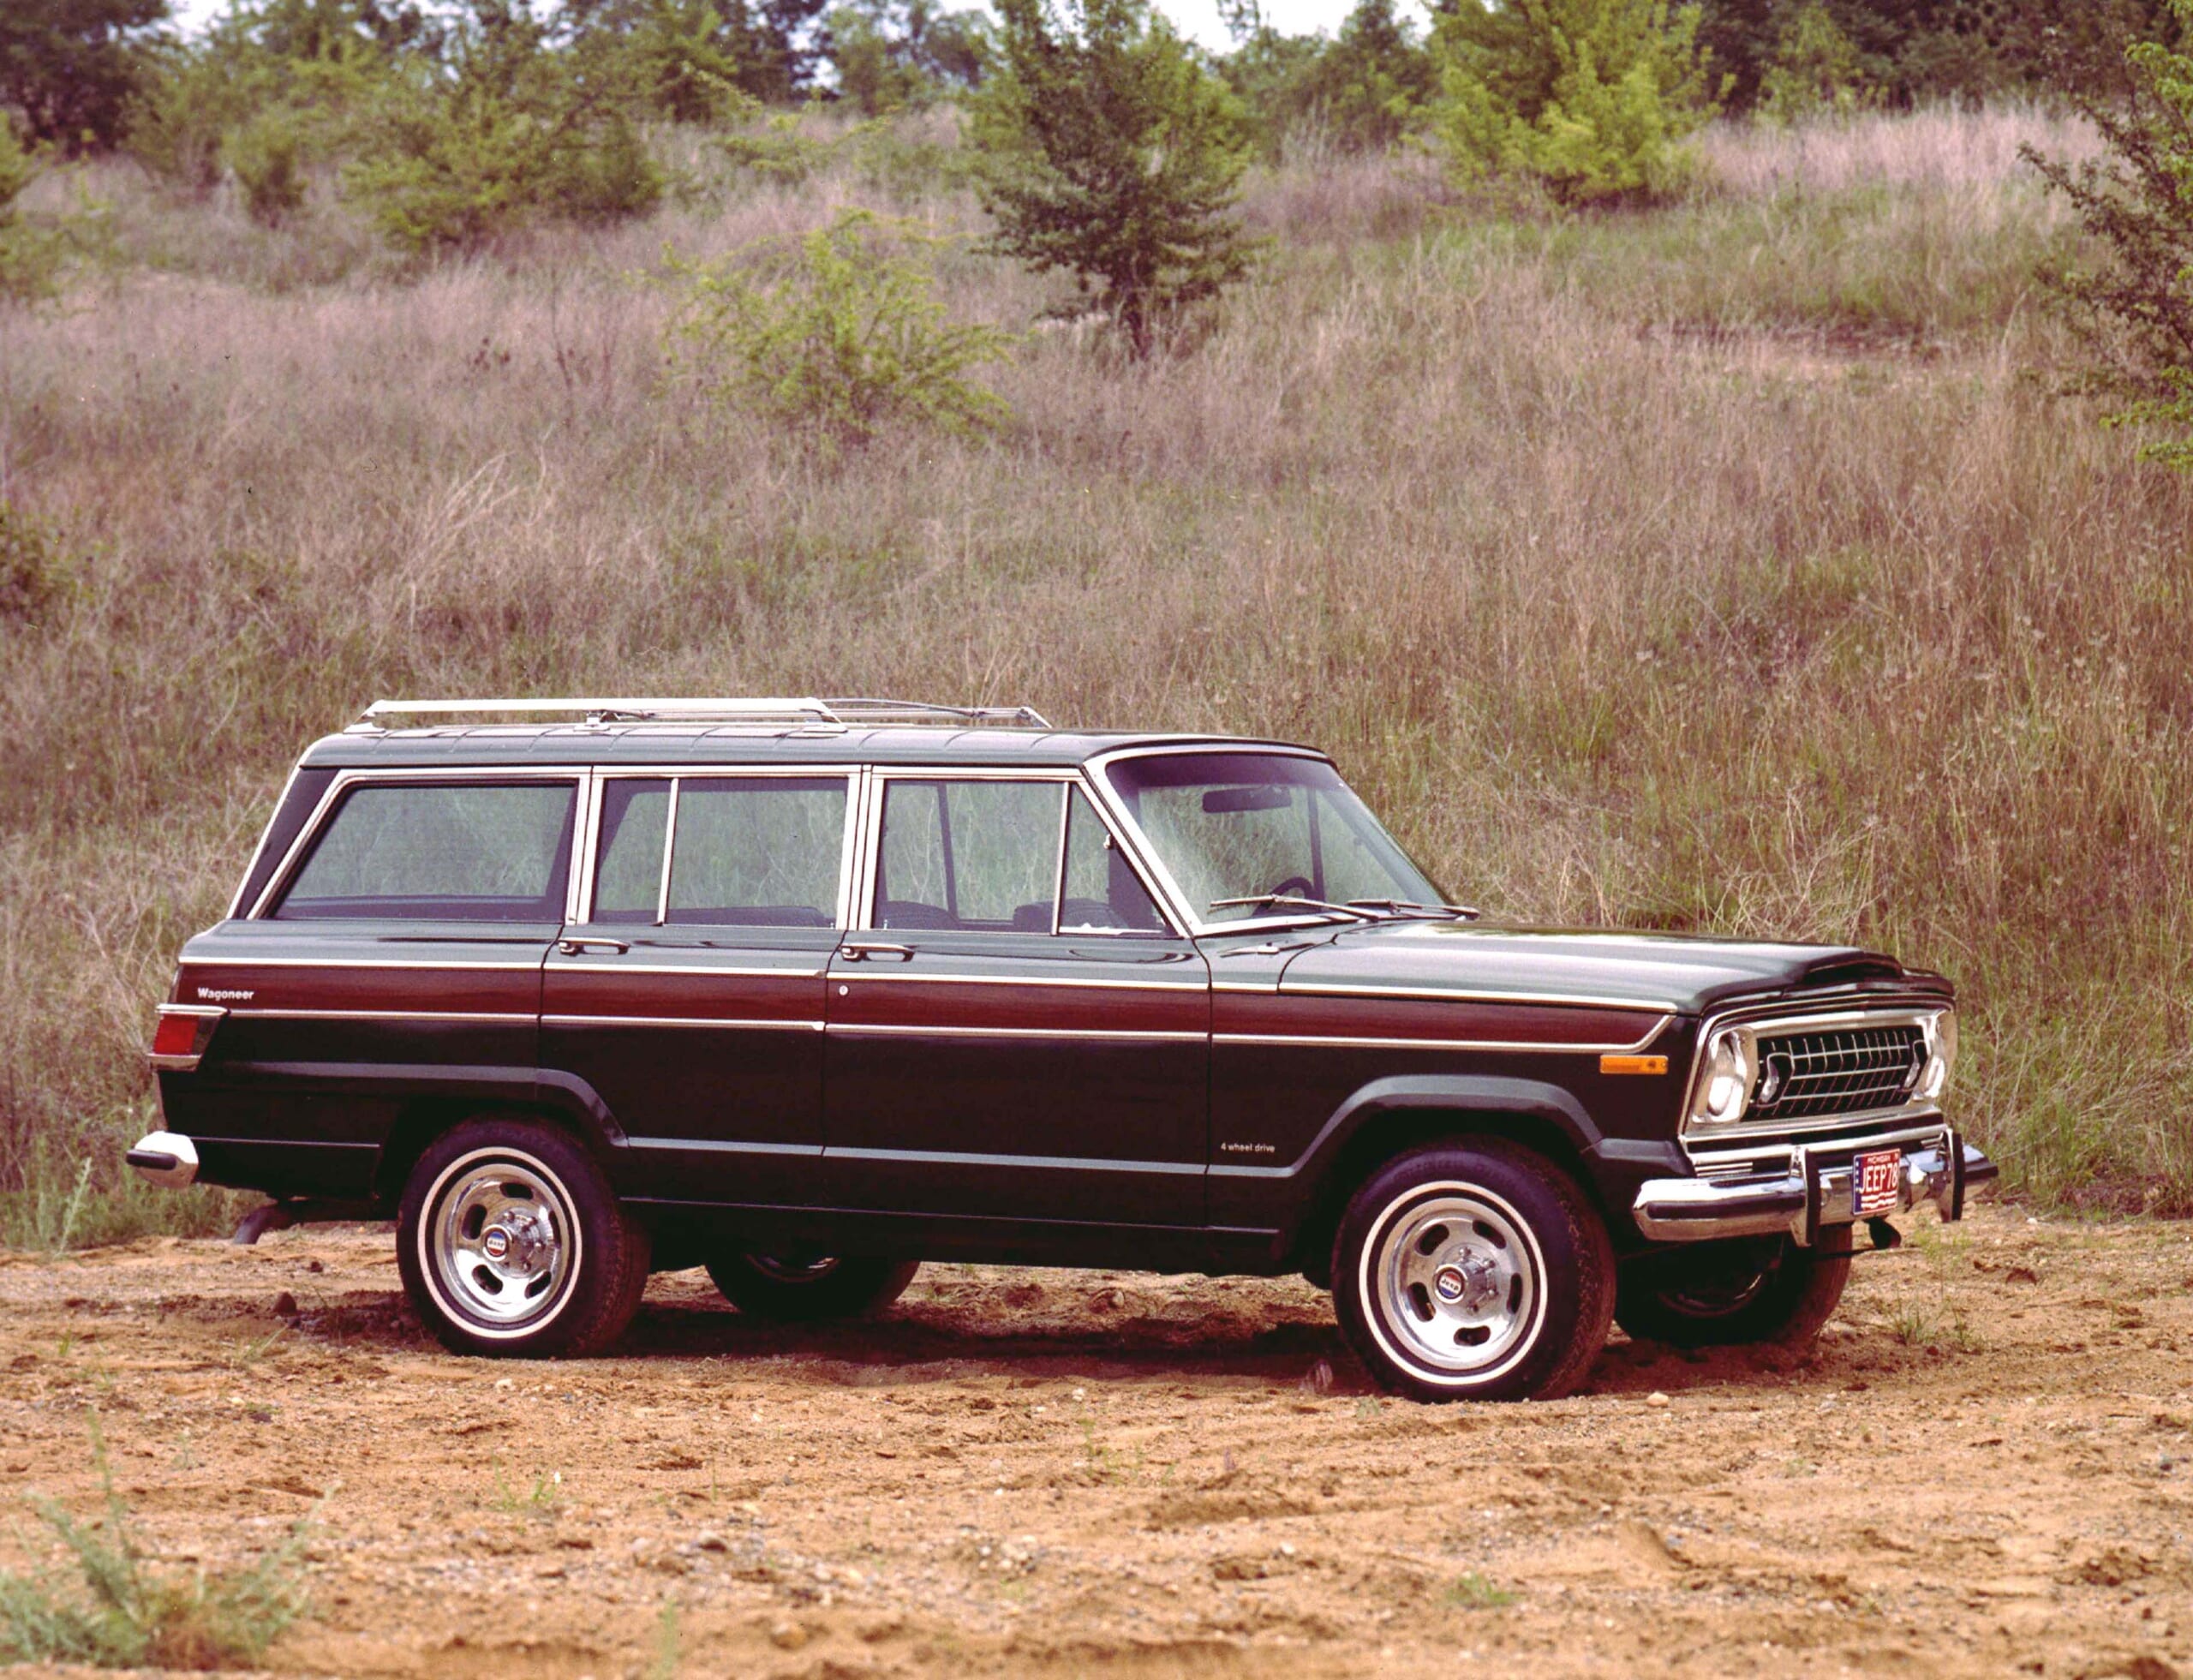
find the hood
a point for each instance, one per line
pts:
(1678, 972)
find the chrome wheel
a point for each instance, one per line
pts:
(1453, 1278)
(499, 1243)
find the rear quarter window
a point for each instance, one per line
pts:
(442, 852)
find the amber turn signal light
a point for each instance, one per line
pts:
(1633, 1064)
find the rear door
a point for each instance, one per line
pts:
(405, 930)
(689, 993)
(1015, 1031)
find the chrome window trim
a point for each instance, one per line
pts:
(578, 777)
(852, 775)
(1755, 1019)
(880, 776)
(1174, 901)
(266, 833)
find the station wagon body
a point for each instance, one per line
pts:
(811, 992)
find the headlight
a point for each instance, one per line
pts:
(1941, 1047)
(1724, 1082)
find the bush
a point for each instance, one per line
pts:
(1592, 97)
(30, 571)
(1363, 91)
(1108, 151)
(126, 1615)
(1816, 69)
(2134, 314)
(832, 338)
(266, 156)
(30, 260)
(512, 135)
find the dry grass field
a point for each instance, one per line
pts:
(1734, 566)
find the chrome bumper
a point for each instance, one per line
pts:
(1939, 1167)
(164, 1158)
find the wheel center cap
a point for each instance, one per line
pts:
(496, 1243)
(1449, 1281)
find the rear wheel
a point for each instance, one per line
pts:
(1473, 1271)
(1724, 1294)
(797, 1288)
(512, 1242)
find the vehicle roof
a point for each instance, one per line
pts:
(463, 746)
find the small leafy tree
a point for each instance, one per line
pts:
(1596, 98)
(893, 54)
(30, 261)
(1107, 150)
(2134, 312)
(72, 66)
(1816, 69)
(832, 338)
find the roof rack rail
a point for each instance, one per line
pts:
(794, 712)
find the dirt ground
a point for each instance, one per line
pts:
(1982, 1468)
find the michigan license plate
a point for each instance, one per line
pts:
(1874, 1178)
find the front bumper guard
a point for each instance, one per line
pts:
(1939, 1167)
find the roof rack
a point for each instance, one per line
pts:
(839, 713)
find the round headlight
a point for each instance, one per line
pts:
(1725, 1080)
(1941, 1043)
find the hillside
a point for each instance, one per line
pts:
(1732, 566)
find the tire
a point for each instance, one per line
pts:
(1514, 1239)
(1727, 1294)
(802, 1290)
(513, 1245)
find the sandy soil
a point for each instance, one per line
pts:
(1981, 1469)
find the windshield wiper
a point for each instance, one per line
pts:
(1404, 908)
(1289, 900)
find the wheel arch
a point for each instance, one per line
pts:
(563, 1101)
(1389, 1117)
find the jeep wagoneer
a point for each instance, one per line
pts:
(807, 992)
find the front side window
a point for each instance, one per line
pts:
(439, 852)
(741, 851)
(1261, 826)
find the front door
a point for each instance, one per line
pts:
(1015, 1031)
(689, 997)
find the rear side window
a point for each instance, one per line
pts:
(760, 851)
(439, 852)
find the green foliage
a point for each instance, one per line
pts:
(1817, 70)
(892, 54)
(678, 53)
(72, 66)
(2134, 313)
(1363, 91)
(1594, 99)
(121, 1613)
(833, 338)
(777, 152)
(1108, 152)
(266, 156)
(511, 135)
(30, 265)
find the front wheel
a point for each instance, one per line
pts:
(1473, 1271)
(1727, 1294)
(810, 1289)
(512, 1242)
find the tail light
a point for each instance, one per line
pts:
(185, 1030)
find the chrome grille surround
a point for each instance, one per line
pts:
(1854, 1067)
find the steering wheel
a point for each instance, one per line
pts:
(1294, 886)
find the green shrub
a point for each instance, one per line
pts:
(266, 156)
(2134, 314)
(30, 569)
(512, 135)
(1108, 151)
(1594, 99)
(1363, 91)
(1816, 69)
(125, 1614)
(776, 153)
(29, 257)
(833, 338)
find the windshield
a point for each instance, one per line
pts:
(1262, 827)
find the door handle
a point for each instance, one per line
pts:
(876, 951)
(572, 947)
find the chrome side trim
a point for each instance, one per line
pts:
(897, 978)
(1441, 993)
(364, 962)
(383, 1015)
(681, 1020)
(640, 968)
(1533, 1047)
(859, 1030)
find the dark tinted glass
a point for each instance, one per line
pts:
(440, 851)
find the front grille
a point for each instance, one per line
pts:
(1847, 1070)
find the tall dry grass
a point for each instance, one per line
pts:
(1739, 632)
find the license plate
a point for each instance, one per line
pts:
(1874, 1180)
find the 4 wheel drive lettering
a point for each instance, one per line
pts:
(814, 1000)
